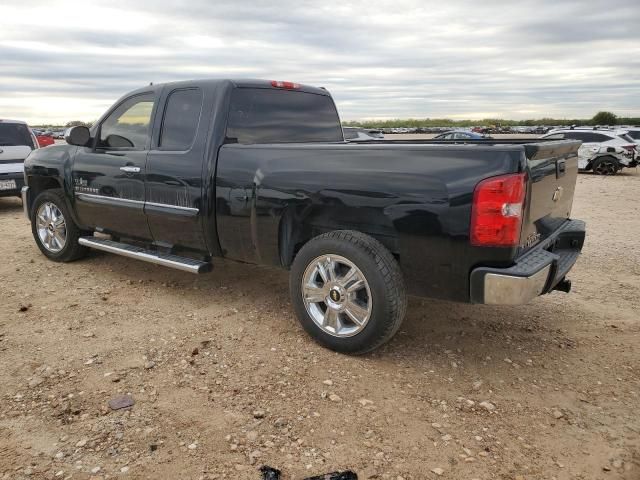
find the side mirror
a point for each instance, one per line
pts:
(79, 136)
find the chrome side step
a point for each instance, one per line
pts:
(181, 263)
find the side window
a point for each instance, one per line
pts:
(128, 126)
(181, 119)
(575, 136)
(589, 138)
(598, 137)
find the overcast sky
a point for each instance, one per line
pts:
(62, 60)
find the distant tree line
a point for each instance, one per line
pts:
(73, 123)
(600, 118)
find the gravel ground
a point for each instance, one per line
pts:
(224, 380)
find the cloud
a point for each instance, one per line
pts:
(384, 59)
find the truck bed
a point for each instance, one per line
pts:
(414, 196)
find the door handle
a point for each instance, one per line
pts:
(129, 169)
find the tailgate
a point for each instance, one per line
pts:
(553, 171)
(12, 158)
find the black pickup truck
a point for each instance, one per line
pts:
(259, 172)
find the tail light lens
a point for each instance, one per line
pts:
(496, 213)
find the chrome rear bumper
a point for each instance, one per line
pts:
(535, 273)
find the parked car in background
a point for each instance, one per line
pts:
(356, 134)
(603, 151)
(44, 140)
(634, 134)
(16, 143)
(461, 135)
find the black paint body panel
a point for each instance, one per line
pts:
(415, 199)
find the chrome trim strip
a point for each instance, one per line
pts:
(141, 255)
(176, 207)
(24, 193)
(105, 199)
(509, 290)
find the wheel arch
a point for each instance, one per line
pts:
(37, 185)
(299, 225)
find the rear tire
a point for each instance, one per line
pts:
(348, 291)
(605, 166)
(53, 228)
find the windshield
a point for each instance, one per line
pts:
(15, 134)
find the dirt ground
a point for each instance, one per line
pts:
(224, 380)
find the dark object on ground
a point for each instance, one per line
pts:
(269, 473)
(123, 401)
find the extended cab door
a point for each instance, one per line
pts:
(108, 178)
(174, 194)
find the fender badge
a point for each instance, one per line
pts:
(557, 195)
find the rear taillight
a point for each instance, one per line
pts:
(629, 148)
(496, 213)
(285, 85)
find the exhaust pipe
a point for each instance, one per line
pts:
(563, 285)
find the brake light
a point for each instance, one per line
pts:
(496, 213)
(630, 148)
(285, 85)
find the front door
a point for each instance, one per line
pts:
(109, 177)
(174, 201)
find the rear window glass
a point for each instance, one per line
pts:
(181, 119)
(15, 134)
(260, 115)
(634, 134)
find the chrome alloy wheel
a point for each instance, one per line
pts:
(52, 227)
(336, 295)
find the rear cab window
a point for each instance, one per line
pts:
(262, 115)
(15, 135)
(181, 119)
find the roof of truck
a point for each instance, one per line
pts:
(6, 120)
(243, 83)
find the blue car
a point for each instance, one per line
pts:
(459, 135)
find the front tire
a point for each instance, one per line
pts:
(348, 291)
(53, 228)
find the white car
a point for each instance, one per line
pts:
(603, 151)
(354, 134)
(634, 134)
(17, 141)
